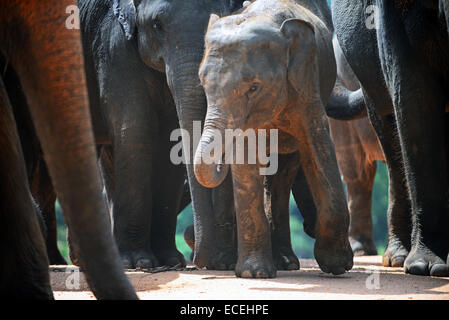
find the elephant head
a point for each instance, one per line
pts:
(255, 65)
(170, 38)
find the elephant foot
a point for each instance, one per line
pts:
(362, 246)
(170, 257)
(139, 259)
(224, 259)
(425, 262)
(285, 258)
(256, 266)
(395, 254)
(333, 255)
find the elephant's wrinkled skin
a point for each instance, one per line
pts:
(142, 63)
(51, 74)
(272, 67)
(37, 172)
(404, 71)
(357, 149)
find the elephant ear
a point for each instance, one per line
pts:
(212, 19)
(302, 70)
(125, 11)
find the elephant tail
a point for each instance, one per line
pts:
(344, 104)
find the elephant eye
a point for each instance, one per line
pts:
(254, 87)
(157, 25)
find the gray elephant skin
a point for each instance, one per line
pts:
(142, 60)
(401, 60)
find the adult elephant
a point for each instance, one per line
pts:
(142, 62)
(51, 73)
(404, 71)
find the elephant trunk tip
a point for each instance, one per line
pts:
(210, 176)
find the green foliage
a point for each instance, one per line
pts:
(62, 233)
(185, 219)
(379, 208)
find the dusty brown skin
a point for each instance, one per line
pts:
(40, 183)
(357, 150)
(272, 67)
(47, 58)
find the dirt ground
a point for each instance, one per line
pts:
(367, 280)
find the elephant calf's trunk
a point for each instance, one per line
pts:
(209, 172)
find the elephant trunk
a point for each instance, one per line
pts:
(191, 107)
(210, 172)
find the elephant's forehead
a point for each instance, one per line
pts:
(241, 29)
(245, 43)
(226, 69)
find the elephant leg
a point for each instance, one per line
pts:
(45, 196)
(317, 155)
(213, 214)
(51, 71)
(304, 200)
(24, 263)
(358, 173)
(279, 186)
(224, 237)
(224, 256)
(255, 259)
(134, 153)
(423, 139)
(168, 187)
(40, 183)
(105, 164)
(359, 204)
(427, 185)
(399, 207)
(185, 198)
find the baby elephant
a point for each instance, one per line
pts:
(272, 67)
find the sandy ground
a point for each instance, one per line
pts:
(367, 280)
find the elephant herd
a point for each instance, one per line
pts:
(88, 115)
